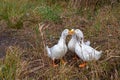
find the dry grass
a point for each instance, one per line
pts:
(30, 61)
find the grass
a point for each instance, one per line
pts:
(101, 27)
(48, 13)
(14, 11)
(11, 65)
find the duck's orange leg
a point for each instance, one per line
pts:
(62, 60)
(82, 65)
(53, 62)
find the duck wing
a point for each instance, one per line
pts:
(87, 49)
(93, 54)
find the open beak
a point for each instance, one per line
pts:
(71, 32)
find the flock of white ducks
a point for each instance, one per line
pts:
(75, 45)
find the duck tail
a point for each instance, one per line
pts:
(99, 55)
(48, 51)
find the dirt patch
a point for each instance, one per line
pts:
(13, 37)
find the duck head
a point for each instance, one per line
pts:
(79, 35)
(65, 32)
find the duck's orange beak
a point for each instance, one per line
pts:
(71, 32)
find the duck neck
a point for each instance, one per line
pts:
(82, 41)
(74, 36)
(62, 39)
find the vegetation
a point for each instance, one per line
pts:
(23, 43)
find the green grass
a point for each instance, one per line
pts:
(10, 66)
(14, 11)
(48, 13)
(97, 26)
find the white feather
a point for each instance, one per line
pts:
(85, 52)
(60, 49)
(73, 40)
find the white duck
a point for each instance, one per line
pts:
(60, 49)
(72, 42)
(85, 52)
